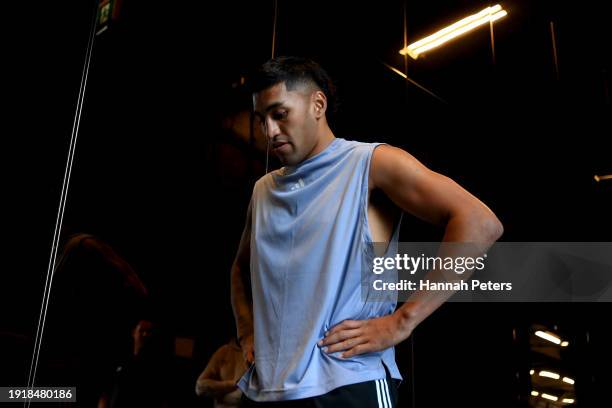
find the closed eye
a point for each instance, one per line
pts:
(280, 115)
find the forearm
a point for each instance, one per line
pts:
(476, 226)
(241, 304)
(214, 388)
(467, 236)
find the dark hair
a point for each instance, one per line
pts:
(294, 71)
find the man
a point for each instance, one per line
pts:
(140, 380)
(102, 293)
(310, 337)
(218, 380)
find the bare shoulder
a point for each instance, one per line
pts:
(428, 195)
(220, 355)
(390, 162)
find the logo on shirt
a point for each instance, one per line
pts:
(297, 185)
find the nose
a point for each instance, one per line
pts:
(272, 129)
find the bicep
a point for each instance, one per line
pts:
(212, 370)
(416, 189)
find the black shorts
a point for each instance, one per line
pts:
(370, 394)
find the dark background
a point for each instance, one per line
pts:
(159, 178)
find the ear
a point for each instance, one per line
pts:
(319, 102)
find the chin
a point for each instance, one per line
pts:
(290, 161)
(286, 160)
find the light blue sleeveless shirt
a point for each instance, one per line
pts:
(308, 244)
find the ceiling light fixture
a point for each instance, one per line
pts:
(548, 336)
(549, 374)
(488, 15)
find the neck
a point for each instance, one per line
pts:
(325, 138)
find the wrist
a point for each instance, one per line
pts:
(406, 319)
(241, 336)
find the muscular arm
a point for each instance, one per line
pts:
(241, 303)
(209, 382)
(432, 197)
(438, 200)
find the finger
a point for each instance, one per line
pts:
(249, 357)
(344, 345)
(346, 324)
(358, 349)
(339, 336)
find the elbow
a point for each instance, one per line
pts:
(199, 390)
(492, 228)
(202, 389)
(483, 226)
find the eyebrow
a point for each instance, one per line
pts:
(269, 108)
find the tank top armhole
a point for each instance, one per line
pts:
(365, 199)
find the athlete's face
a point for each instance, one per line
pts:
(141, 334)
(289, 121)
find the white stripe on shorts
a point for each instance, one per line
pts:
(383, 394)
(387, 393)
(378, 394)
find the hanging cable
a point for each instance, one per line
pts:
(274, 28)
(60, 213)
(554, 49)
(273, 54)
(405, 38)
(492, 40)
